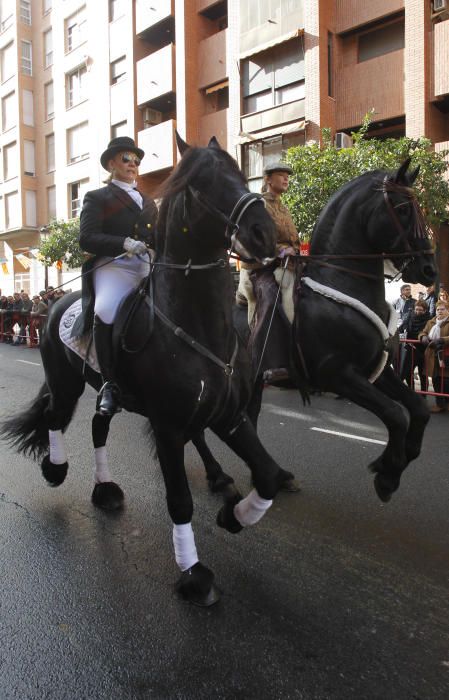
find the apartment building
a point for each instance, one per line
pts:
(260, 75)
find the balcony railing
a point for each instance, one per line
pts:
(441, 58)
(150, 13)
(155, 75)
(158, 142)
(212, 59)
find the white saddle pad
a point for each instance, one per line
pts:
(84, 346)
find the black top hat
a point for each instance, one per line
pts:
(120, 143)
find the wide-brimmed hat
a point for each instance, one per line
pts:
(277, 167)
(120, 143)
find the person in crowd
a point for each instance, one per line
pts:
(50, 296)
(43, 300)
(16, 315)
(412, 354)
(443, 296)
(7, 320)
(405, 304)
(430, 299)
(272, 283)
(24, 317)
(116, 227)
(38, 312)
(435, 338)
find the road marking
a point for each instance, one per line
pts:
(348, 435)
(26, 362)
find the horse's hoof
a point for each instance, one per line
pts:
(55, 474)
(384, 487)
(225, 516)
(220, 483)
(108, 496)
(290, 486)
(196, 585)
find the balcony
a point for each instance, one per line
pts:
(214, 124)
(148, 14)
(441, 58)
(159, 145)
(155, 75)
(212, 59)
(444, 146)
(273, 117)
(359, 90)
(353, 13)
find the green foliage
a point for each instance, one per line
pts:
(61, 244)
(318, 172)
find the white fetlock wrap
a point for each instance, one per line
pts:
(251, 509)
(185, 549)
(58, 454)
(101, 471)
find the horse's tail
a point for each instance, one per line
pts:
(27, 432)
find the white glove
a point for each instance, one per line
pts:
(133, 247)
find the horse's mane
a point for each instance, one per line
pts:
(194, 163)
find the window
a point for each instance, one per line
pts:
(10, 159)
(119, 129)
(258, 154)
(381, 41)
(29, 157)
(48, 48)
(76, 87)
(46, 6)
(118, 70)
(116, 9)
(12, 210)
(50, 152)
(77, 143)
(8, 62)
(51, 203)
(75, 29)
(27, 57)
(49, 101)
(76, 194)
(9, 111)
(7, 9)
(30, 208)
(274, 77)
(28, 107)
(25, 11)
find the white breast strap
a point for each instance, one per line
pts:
(385, 331)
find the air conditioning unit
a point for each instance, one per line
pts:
(151, 117)
(342, 140)
(439, 5)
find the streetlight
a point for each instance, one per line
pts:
(44, 231)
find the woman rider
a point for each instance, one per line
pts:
(116, 220)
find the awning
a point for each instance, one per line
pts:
(217, 86)
(23, 260)
(274, 42)
(279, 130)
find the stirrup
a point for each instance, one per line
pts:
(108, 399)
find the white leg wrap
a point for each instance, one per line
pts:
(58, 454)
(101, 472)
(184, 543)
(251, 509)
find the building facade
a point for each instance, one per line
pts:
(260, 75)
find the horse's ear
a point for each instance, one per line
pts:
(213, 143)
(182, 145)
(413, 175)
(400, 175)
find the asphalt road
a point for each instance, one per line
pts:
(333, 595)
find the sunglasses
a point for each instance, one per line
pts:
(126, 158)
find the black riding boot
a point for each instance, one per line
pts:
(108, 400)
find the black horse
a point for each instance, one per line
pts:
(343, 327)
(191, 374)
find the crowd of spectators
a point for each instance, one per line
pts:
(21, 318)
(423, 326)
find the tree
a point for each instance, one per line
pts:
(318, 172)
(61, 244)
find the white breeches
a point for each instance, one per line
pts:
(114, 281)
(288, 282)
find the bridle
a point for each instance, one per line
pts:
(420, 230)
(233, 220)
